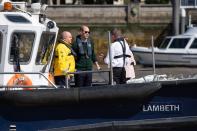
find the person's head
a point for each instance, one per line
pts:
(115, 34)
(67, 37)
(84, 32)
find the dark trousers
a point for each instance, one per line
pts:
(119, 75)
(82, 80)
(61, 81)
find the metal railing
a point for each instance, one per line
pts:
(83, 72)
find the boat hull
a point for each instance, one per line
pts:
(170, 100)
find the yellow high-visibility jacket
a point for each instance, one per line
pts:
(64, 60)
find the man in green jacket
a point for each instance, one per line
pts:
(84, 49)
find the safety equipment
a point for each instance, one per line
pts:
(63, 61)
(20, 80)
(87, 52)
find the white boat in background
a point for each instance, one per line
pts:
(174, 50)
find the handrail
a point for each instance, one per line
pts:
(82, 72)
(2, 73)
(91, 71)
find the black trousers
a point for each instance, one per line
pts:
(119, 75)
(61, 81)
(82, 80)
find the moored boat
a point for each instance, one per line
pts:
(173, 51)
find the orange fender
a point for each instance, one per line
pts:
(21, 80)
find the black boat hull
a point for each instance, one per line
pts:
(56, 108)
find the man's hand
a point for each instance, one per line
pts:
(65, 72)
(98, 66)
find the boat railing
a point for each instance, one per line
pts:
(91, 71)
(34, 73)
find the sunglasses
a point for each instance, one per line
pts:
(87, 32)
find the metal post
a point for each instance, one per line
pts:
(190, 21)
(110, 59)
(176, 4)
(183, 16)
(67, 84)
(153, 54)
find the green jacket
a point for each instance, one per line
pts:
(85, 54)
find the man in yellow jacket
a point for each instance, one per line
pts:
(64, 59)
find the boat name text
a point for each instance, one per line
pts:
(161, 108)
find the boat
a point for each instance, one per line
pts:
(179, 50)
(29, 99)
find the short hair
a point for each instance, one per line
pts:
(116, 32)
(82, 27)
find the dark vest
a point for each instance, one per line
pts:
(82, 50)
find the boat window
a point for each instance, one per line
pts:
(194, 44)
(45, 48)
(179, 43)
(17, 18)
(21, 46)
(165, 43)
(1, 44)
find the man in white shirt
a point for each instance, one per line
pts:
(120, 54)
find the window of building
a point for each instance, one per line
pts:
(21, 47)
(45, 48)
(188, 2)
(179, 43)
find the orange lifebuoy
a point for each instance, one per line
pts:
(21, 80)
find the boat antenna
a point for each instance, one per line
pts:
(15, 7)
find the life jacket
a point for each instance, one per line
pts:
(60, 63)
(82, 51)
(67, 45)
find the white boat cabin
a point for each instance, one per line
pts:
(174, 50)
(27, 41)
(187, 41)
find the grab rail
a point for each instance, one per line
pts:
(2, 73)
(83, 72)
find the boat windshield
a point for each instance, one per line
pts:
(179, 43)
(194, 44)
(45, 48)
(21, 46)
(165, 43)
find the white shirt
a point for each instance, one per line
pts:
(116, 50)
